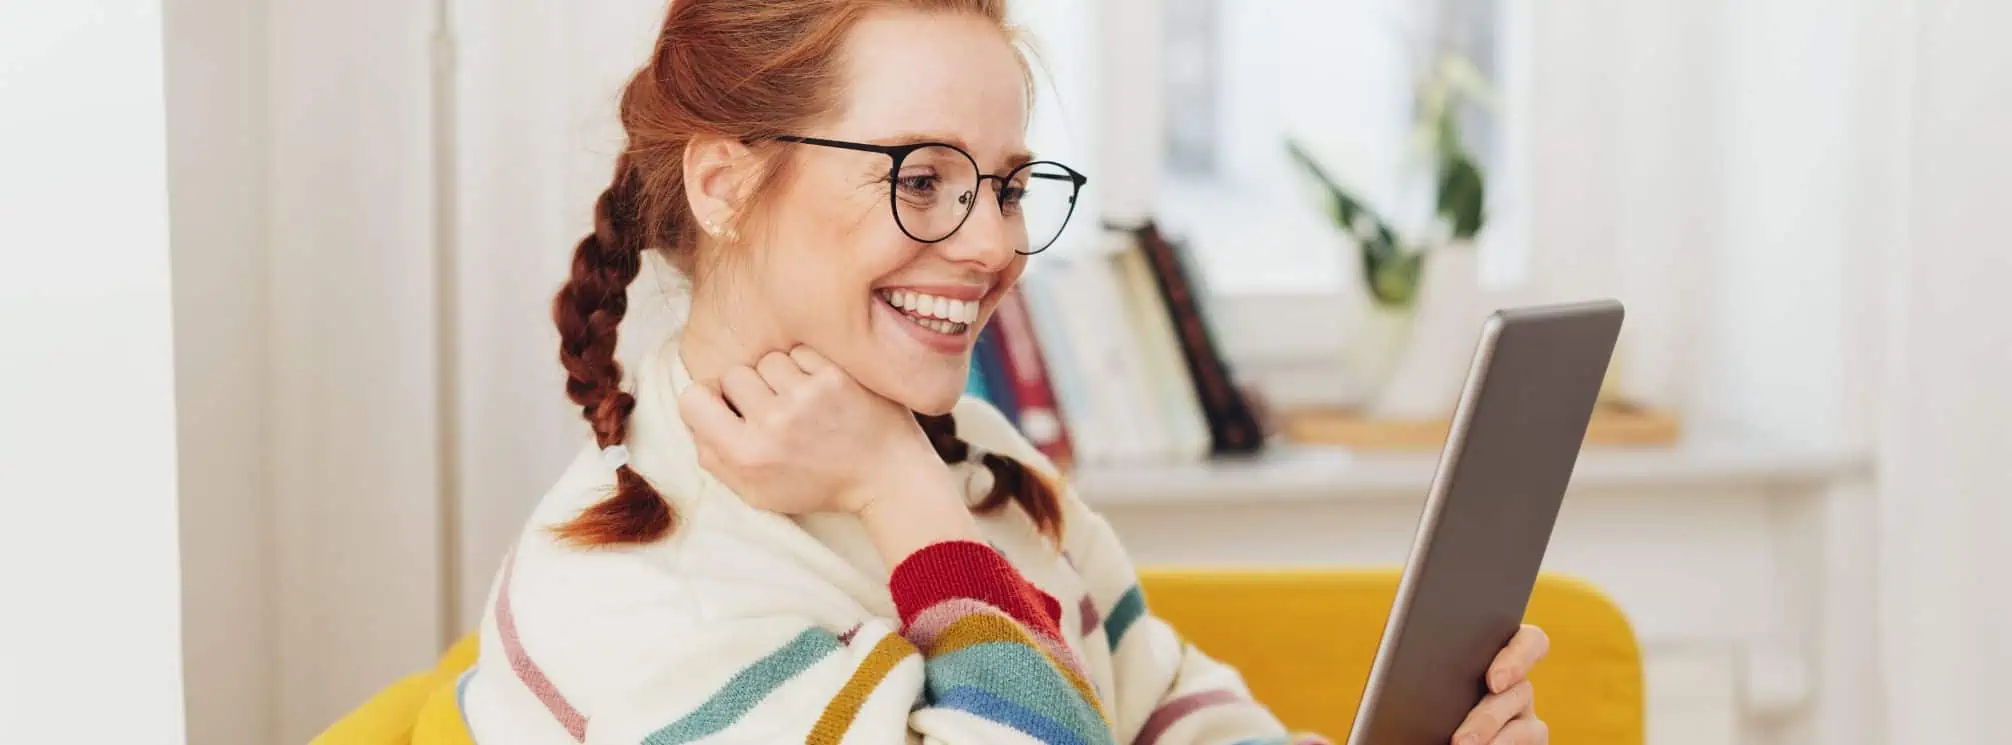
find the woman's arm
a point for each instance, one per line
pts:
(1167, 691)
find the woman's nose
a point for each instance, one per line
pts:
(988, 239)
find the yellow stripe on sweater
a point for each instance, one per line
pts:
(986, 628)
(845, 706)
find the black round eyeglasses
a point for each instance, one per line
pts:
(933, 186)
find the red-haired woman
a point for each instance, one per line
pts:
(790, 527)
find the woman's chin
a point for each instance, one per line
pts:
(934, 398)
(932, 402)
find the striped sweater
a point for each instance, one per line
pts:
(749, 626)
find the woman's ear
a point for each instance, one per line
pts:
(718, 171)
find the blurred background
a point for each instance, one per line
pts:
(318, 242)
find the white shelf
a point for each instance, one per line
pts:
(1308, 473)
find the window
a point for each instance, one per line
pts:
(1214, 89)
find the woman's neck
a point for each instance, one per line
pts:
(720, 336)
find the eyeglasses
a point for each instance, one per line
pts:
(932, 187)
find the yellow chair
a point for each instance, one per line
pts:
(1302, 638)
(419, 710)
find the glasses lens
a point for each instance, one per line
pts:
(934, 191)
(1043, 196)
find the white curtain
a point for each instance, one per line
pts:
(1945, 451)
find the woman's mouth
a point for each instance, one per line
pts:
(939, 314)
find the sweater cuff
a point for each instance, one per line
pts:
(971, 570)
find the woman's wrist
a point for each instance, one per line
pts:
(913, 507)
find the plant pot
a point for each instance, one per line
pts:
(1445, 319)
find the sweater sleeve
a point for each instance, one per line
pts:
(1166, 691)
(977, 660)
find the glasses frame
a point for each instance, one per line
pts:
(899, 153)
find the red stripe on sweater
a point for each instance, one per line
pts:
(968, 569)
(1174, 710)
(528, 671)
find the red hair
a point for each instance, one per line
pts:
(751, 72)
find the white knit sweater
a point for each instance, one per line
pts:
(749, 626)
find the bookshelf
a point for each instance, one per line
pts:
(1315, 473)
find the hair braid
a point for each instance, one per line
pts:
(588, 310)
(1012, 481)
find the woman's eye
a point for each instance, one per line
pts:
(1010, 195)
(920, 184)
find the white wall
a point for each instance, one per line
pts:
(216, 93)
(88, 549)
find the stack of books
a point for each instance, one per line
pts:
(1109, 357)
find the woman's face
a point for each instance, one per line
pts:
(837, 264)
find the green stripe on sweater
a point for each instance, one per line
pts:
(1021, 675)
(747, 688)
(1129, 608)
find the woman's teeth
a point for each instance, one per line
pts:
(939, 314)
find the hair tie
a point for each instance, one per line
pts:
(615, 456)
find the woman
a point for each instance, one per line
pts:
(780, 535)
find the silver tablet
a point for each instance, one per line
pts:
(1488, 518)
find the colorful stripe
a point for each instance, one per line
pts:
(461, 699)
(1178, 708)
(748, 687)
(968, 569)
(1017, 673)
(984, 705)
(931, 623)
(527, 671)
(987, 628)
(1129, 608)
(844, 707)
(1091, 618)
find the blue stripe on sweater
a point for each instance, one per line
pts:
(747, 688)
(1129, 608)
(461, 700)
(1022, 676)
(980, 703)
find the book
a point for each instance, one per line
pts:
(1158, 346)
(1095, 324)
(988, 359)
(1233, 425)
(1039, 416)
(1083, 415)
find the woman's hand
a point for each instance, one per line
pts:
(795, 434)
(1508, 715)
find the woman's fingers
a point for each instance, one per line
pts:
(1512, 665)
(781, 372)
(1493, 715)
(746, 392)
(809, 359)
(1525, 731)
(714, 426)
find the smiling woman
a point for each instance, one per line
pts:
(791, 525)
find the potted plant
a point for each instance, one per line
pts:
(1425, 300)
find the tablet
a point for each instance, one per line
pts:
(1488, 518)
